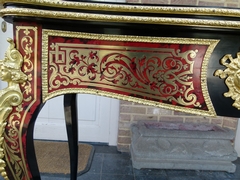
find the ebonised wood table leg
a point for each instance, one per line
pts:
(71, 118)
(31, 155)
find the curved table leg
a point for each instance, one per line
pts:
(31, 155)
(71, 118)
(19, 150)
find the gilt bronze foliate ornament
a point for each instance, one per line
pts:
(232, 75)
(10, 72)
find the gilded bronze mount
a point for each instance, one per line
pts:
(232, 75)
(10, 71)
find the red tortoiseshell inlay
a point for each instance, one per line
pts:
(164, 73)
(15, 139)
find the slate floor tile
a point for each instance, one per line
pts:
(109, 164)
(146, 172)
(116, 177)
(89, 176)
(181, 173)
(151, 177)
(205, 175)
(220, 175)
(106, 149)
(117, 164)
(96, 166)
(185, 178)
(236, 174)
(53, 177)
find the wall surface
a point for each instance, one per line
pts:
(132, 112)
(220, 3)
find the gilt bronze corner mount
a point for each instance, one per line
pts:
(232, 75)
(10, 71)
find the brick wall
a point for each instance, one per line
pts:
(221, 3)
(133, 112)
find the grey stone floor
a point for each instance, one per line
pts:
(109, 164)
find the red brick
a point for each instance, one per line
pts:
(184, 2)
(144, 117)
(124, 117)
(124, 132)
(124, 140)
(230, 124)
(123, 147)
(139, 104)
(125, 125)
(171, 118)
(133, 109)
(133, 1)
(204, 3)
(231, 1)
(125, 103)
(159, 111)
(232, 5)
(230, 118)
(197, 120)
(178, 113)
(155, 1)
(217, 121)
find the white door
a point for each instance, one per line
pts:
(98, 116)
(97, 119)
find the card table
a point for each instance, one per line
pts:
(181, 58)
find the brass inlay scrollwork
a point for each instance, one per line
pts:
(71, 67)
(232, 75)
(10, 71)
(161, 72)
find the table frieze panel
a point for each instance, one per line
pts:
(165, 72)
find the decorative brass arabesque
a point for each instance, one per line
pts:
(232, 75)
(10, 71)
(51, 84)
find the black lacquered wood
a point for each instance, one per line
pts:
(229, 43)
(31, 155)
(71, 118)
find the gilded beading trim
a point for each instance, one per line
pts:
(132, 99)
(10, 71)
(211, 43)
(120, 18)
(130, 8)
